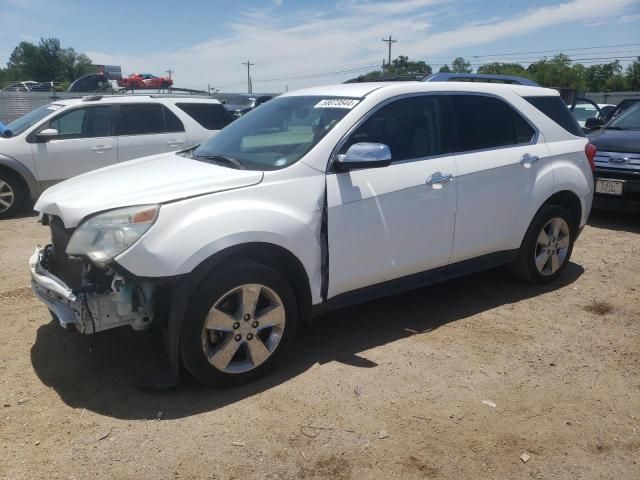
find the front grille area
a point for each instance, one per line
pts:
(69, 271)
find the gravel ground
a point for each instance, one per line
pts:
(458, 380)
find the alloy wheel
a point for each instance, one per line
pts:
(243, 328)
(552, 246)
(7, 196)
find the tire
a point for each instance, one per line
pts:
(550, 219)
(218, 330)
(12, 194)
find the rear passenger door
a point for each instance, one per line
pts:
(147, 129)
(500, 159)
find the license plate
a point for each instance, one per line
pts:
(610, 187)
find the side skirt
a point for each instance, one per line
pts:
(414, 281)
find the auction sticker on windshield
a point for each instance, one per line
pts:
(347, 103)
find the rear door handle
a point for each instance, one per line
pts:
(527, 159)
(175, 143)
(437, 179)
(101, 148)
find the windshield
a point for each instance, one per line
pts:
(21, 124)
(277, 134)
(629, 120)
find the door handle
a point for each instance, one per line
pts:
(437, 179)
(175, 143)
(527, 159)
(101, 148)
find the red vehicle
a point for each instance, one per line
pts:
(145, 80)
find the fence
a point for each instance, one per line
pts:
(613, 98)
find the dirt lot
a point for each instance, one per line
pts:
(390, 389)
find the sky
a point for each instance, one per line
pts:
(301, 43)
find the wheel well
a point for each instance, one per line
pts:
(570, 201)
(273, 256)
(23, 182)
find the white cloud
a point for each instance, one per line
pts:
(349, 33)
(277, 3)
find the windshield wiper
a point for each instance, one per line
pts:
(222, 160)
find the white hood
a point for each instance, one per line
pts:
(155, 179)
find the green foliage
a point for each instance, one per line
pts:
(402, 66)
(633, 75)
(45, 62)
(460, 65)
(497, 68)
(445, 69)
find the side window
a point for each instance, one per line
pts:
(211, 116)
(142, 119)
(487, 122)
(554, 108)
(410, 127)
(83, 123)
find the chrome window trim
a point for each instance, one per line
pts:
(366, 116)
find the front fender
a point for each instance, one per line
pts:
(32, 184)
(189, 232)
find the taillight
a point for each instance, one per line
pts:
(590, 150)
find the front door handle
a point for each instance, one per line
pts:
(527, 160)
(438, 179)
(101, 148)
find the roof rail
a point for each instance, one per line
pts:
(92, 98)
(475, 77)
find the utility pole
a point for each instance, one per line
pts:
(249, 65)
(389, 41)
(169, 72)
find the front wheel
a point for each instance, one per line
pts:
(547, 246)
(12, 196)
(240, 321)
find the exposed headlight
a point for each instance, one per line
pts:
(105, 236)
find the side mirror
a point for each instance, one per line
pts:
(47, 134)
(363, 155)
(593, 123)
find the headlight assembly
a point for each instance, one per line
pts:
(103, 237)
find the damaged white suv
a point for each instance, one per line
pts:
(319, 199)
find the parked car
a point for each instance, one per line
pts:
(91, 83)
(141, 81)
(584, 110)
(370, 189)
(239, 104)
(69, 137)
(29, 86)
(617, 171)
(622, 106)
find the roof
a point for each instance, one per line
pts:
(360, 90)
(97, 98)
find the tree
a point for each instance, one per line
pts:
(498, 68)
(401, 66)
(632, 75)
(558, 72)
(445, 69)
(47, 61)
(596, 76)
(460, 65)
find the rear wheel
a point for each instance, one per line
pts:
(12, 195)
(240, 322)
(547, 246)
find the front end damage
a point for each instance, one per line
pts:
(85, 297)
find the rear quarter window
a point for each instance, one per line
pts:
(554, 108)
(212, 116)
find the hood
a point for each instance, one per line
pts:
(156, 179)
(627, 141)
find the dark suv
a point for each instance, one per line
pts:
(617, 173)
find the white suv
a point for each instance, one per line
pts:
(69, 137)
(319, 199)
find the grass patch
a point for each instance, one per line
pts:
(599, 307)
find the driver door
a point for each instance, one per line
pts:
(85, 142)
(391, 222)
